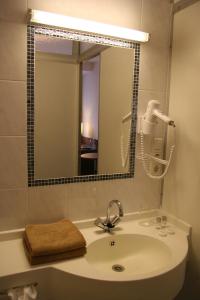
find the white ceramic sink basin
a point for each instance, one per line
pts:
(136, 262)
(129, 253)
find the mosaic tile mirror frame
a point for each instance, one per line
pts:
(32, 30)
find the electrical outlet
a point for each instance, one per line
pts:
(156, 151)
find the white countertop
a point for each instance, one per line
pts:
(13, 259)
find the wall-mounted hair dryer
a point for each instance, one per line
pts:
(148, 120)
(146, 126)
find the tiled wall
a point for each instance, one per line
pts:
(19, 204)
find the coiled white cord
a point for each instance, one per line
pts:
(146, 159)
(125, 152)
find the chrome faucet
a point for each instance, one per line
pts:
(109, 222)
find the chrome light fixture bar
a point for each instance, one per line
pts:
(76, 24)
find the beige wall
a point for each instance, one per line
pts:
(116, 85)
(181, 186)
(19, 204)
(56, 117)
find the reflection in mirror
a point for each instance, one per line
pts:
(82, 93)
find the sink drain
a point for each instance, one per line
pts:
(118, 268)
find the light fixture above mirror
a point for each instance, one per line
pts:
(82, 50)
(82, 25)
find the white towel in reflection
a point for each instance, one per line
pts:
(23, 293)
(13, 294)
(30, 292)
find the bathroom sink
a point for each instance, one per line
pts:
(132, 262)
(129, 253)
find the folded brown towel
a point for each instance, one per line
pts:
(55, 238)
(35, 260)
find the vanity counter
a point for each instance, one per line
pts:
(14, 261)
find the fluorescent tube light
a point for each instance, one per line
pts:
(51, 19)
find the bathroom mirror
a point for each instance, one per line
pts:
(82, 101)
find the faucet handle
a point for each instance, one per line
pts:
(115, 220)
(99, 222)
